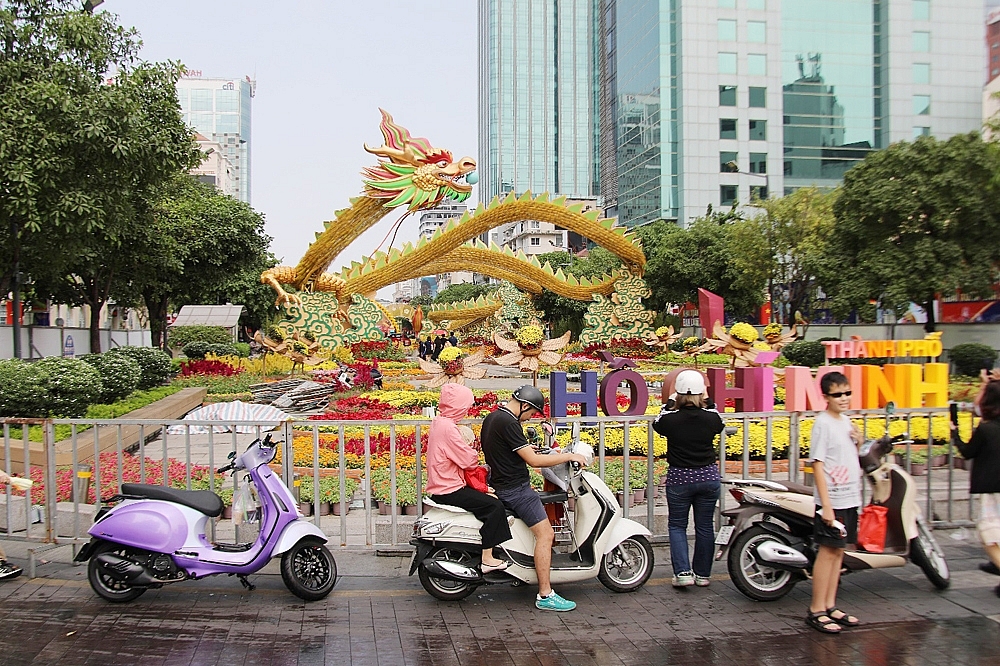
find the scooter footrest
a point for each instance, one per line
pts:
(232, 547)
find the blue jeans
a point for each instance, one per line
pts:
(680, 500)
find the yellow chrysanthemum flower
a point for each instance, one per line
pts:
(744, 332)
(529, 335)
(450, 354)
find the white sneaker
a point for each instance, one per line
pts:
(683, 579)
(702, 581)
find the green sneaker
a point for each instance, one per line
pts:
(554, 602)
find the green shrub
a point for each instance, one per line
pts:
(182, 335)
(242, 349)
(120, 374)
(198, 350)
(971, 357)
(154, 363)
(22, 392)
(70, 386)
(805, 352)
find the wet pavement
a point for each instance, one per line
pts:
(377, 615)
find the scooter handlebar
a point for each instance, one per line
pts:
(223, 470)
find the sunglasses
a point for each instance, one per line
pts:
(839, 394)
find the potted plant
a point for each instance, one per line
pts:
(329, 492)
(307, 497)
(614, 477)
(939, 455)
(918, 462)
(226, 494)
(637, 479)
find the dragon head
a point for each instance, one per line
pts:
(414, 172)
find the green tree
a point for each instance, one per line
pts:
(566, 314)
(913, 221)
(85, 133)
(795, 230)
(463, 291)
(704, 255)
(424, 301)
(199, 245)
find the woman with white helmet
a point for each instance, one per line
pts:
(693, 480)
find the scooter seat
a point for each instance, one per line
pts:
(797, 488)
(204, 501)
(553, 496)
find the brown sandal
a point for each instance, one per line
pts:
(822, 622)
(845, 619)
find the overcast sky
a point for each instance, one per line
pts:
(323, 69)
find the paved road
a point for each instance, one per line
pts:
(377, 615)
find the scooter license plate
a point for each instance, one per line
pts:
(724, 535)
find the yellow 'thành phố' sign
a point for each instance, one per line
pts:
(856, 347)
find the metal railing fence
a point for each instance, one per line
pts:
(101, 454)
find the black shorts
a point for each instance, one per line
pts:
(825, 535)
(524, 502)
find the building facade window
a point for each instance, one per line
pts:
(727, 95)
(757, 64)
(756, 32)
(921, 72)
(757, 4)
(727, 4)
(921, 131)
(921, 10)
(727, 128)
(727, 30)
(921, 105)
(727, 63)
(535, 240)
(758, 97)
(921, 41)
(758, 192)
(728, 161)
(758, 130)
(727, 195)
(758, 162)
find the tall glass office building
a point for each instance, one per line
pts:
(219, 109)
(538, 97)
(706, 103)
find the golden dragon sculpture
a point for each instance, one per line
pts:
(413, 173)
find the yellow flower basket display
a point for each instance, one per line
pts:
(450, 354)
(529, 336)
(664, 330)
(743, 332)
(771, 329)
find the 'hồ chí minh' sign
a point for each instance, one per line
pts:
(752, 390)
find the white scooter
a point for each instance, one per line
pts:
(602, 542)
(768, 541)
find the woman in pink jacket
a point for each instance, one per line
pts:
(448, 456)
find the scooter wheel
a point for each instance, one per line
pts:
(106, 586)
(926, 553)
(628, 566)
(309, 570)
(755, 579)
(447, 590)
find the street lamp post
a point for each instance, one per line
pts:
(735, 167)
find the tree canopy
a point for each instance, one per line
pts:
(87, 134)
(915, 220)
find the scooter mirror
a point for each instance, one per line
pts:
(890, 408)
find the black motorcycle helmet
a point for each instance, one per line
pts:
(529, 395)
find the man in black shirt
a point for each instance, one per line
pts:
(508, 454)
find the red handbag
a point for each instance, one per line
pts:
(872, 526)
(477, 477)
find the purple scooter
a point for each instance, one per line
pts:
(155, 535)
